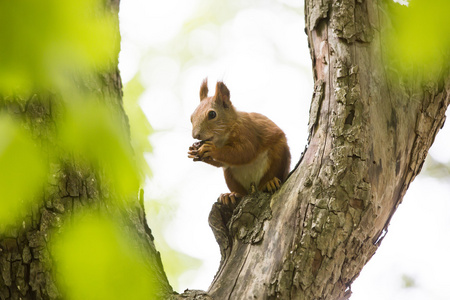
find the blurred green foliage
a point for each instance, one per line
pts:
(422, 34)
(95, 260)
(139, 126)
(59, 47)
(160, 213)
(436, 169)
(175, 262)
(94, 133)
(45, 41)
(22, 172)
(408, 281)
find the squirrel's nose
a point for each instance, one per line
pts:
(196, 135)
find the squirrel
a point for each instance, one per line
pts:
(250, 148)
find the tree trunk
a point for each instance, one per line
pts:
(27, 268)
(369, 136)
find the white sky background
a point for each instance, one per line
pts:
(262, 55)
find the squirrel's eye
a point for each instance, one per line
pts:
(212, 114)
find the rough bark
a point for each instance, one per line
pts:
(27, 270)
(26, 266)
(369, 136)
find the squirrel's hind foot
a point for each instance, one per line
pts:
(272, 185)
(231, 199)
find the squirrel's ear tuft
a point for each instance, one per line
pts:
(204, 89)
(222, 94)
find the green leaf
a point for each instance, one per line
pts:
(96, 134)
(139, 126)
(95, 260)
(422, 33)
(22, 172)
(43, 42)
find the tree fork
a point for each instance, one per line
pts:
(368, 140)
(369, 136)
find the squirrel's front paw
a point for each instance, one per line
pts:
(231, 199)
(206, 150)
(193, 151)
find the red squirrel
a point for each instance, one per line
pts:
(250, 148)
